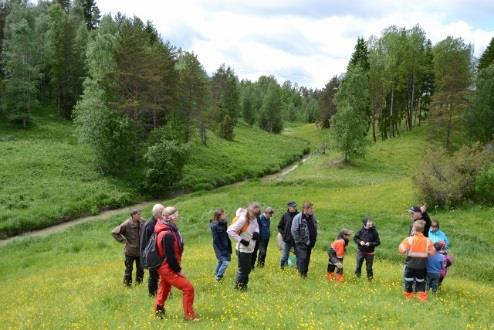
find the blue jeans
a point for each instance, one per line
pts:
(221, 268)
(286, 252)
(433, 281)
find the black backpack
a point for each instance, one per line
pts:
(150, 257)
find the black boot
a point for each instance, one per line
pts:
(159, 312)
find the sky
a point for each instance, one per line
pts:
(306, 41)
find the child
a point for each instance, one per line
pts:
(367, 238)
(417, 249)
(435, 265)
(336, 252)
(221, 243)
(448, 261)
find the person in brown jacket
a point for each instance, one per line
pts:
(129, 232)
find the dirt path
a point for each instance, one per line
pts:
(110, 213)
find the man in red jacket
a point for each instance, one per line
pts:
(170, 246)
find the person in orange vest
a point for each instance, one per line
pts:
(336, 252)
(417, 248)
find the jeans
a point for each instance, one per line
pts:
(303, 258)
(129, 261)
(244, 268)
(263, 248)
(369, 260)
(153, 281)
(433, 281)
(414, 276)
(286, 252)
(221, 268)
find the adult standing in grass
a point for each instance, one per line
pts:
(146, 233)
(367, 239)
(304, 232)
(170, 247)
(264, 234)
(420, 213)
(245, 230)
(285, 229)
(221, 243)
(128, 232)
(437, 235)
(417, 248)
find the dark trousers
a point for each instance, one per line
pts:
(244, 268)
(263, 249)
(153, 281)
(254, 254)
(129, 261)
(332, 265)
(369, 260)
(414, 276)
(303, 258)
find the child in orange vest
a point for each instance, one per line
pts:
(336, 252)
(417, 248)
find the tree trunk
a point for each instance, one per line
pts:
(412, 102)
(450, 127)
(391, 126)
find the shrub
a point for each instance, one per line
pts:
(164, 164)
(484, 185)
(445, 181)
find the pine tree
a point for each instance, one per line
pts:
(327, 107)
(21, 67)
(487, 57)
(360, 56)
(225, 101)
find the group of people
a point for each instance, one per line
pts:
(425, 248)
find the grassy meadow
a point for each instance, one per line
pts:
(47, 177)
(73, 279)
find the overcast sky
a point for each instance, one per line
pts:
(306, 42)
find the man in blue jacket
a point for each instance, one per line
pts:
(264, 234)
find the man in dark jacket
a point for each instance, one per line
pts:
(146, 233)
(367, 238)
(304, 233)
(285, 229)
(420, 213)
(264, 234)
(129, 233)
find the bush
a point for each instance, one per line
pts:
(445, 181)
(164, 164)
(484, 185)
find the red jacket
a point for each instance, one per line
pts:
(170, 246)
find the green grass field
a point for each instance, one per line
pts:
(73, 279)
(47, 177)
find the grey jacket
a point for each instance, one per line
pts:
(300, 229)
(128, 232)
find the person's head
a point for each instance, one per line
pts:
(439, 245)
(253, 210)
(269, 212)
(434, 225)
(418, 226)
(308, 206)
(157, 210)
(368, 222)
(218, 214)
(170, 213)
(415, 213)
(135, 214)
(292, 206)
(344, 234)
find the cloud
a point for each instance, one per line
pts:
(306, 42)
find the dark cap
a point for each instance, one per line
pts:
(414, 209)
(291, 204)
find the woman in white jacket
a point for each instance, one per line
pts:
(245, 230)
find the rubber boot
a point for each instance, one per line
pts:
(408, 295)
(422, 296)
(330, 276)
(340, 278)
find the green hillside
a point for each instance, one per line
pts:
(73, 279)
(47, 177)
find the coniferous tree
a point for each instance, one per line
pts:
(225, 101)
(21, 66)
(327, 106)
(487, 57)
(452, 60)
(91, 14)
(360, 56)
